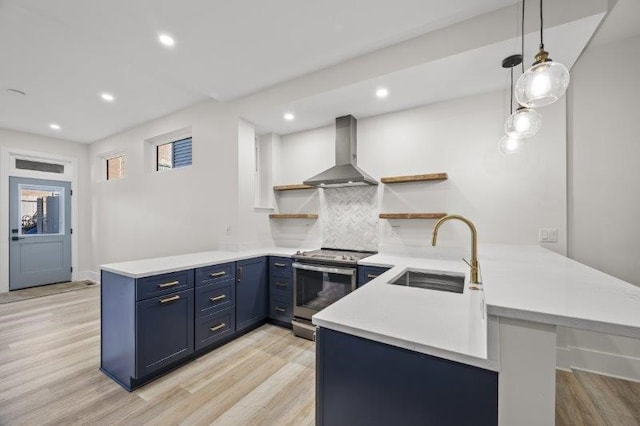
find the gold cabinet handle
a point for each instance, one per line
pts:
(372, 276)
(281, 284)
(215, 299)
(279, 265)
(280, 309)
(218, 327)
(218, 274)
(170, 299)
(169, 284)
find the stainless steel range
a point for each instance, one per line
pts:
(321, 277)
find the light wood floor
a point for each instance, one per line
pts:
(50, 354)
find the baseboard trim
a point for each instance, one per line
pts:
(606, 364)
(89, 275)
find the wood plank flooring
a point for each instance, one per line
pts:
(50, 354)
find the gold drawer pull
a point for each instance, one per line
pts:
(169, 284)
(215, 299)
(281, 284)
(280, 265)
(218, 274)
(371, 276)
(170, 299)
(280, 309)
(218, 327)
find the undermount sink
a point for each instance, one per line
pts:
(432, 280)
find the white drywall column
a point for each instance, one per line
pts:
(527, 378)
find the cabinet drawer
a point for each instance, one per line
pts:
(215, 273)
(159, 285)
(280, 266)
(280, 309)
(213, 328)
(214, 297)
(281, 286)
(368, 273)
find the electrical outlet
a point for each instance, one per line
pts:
(228, 229)
(395, 230)
(548, 235)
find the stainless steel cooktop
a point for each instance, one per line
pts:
(325, 255)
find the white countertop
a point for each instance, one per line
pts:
(524, 282)
(439, 323)
(162, 265)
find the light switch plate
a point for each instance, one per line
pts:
(548, 235)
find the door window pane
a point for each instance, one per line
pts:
(115, 167)
(41, 210)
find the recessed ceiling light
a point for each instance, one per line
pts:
(55, 126)
(382, 93)
(289, 116)
(166, 40)
(107, 97)
(16, 92)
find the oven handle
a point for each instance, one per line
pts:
(330, 270)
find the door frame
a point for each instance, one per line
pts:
(7, 168)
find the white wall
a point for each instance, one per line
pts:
(148, 213)
(13, 140)
(508, 197)
(604, 183)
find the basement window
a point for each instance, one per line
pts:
(115, 167)
(173, 155)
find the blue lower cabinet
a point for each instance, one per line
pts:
(251, 292)
(164, 330)
(280, 309)
(368, 273)
(214, 328)
(362, 382)
(281, 289)
(215, 297)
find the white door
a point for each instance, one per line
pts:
(40, 232)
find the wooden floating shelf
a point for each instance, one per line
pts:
(292, 187)
(293, 216)
(412, 215)
(415, 178)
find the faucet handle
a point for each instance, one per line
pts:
(467, 262)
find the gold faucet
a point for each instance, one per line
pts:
(474, 244)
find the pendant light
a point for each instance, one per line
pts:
(545, 82)
(525, 122)
(512, 143)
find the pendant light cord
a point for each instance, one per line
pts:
(522, 38)
(541, 26)
(511, 97)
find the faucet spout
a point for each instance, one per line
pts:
(474, 242)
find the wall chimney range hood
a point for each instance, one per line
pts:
(345, 172)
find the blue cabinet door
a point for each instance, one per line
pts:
(164, 330)
(362, 382)
(251, 292)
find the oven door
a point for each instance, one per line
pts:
(316, 287)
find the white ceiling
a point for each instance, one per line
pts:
(63, 53)
(623, 21)
(471, 72)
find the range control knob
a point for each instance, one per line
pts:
(344, 257)
(298, 253)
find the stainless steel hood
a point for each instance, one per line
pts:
(345, 172)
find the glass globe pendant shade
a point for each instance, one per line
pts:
(523, 123)
(511, 144)
(542, 84)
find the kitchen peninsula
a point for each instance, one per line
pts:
(497, 344)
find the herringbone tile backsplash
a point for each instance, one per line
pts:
(350, 218)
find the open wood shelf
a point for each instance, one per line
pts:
(293, 216)
(415, 178)
(412, 215)
(292, 187)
